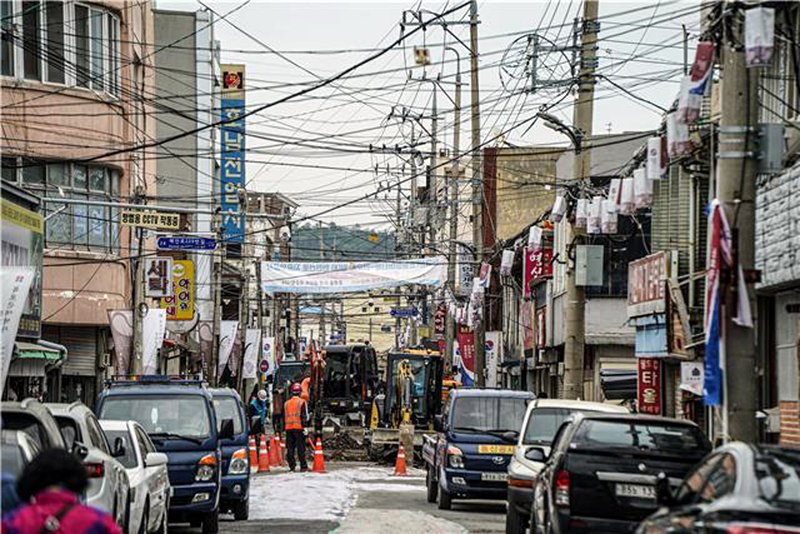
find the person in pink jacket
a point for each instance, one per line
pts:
(50, 488)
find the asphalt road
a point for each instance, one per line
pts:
(355, 498)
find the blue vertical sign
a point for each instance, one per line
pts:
(232, 142)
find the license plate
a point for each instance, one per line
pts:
(495, 449)
(494, 477)
(636, 490)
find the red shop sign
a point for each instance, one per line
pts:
(649, 385)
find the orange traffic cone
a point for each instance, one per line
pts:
(282, 450)
(253, 455)
(319, 458)
(263, 456)
(274, 459)
(400, 464)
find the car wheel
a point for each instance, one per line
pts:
(145, 523)
(430, 482)
(445, 500)
(515, 522)
(211, 523)
(241, 510)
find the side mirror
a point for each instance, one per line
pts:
(154, 459)
(256, 427)
(536, 454)
(438, 423)
(664, 495)
(119, 448)
(226, 429)
(80, 451)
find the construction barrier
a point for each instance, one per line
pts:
(319, 458)
(263, 456)
(253, 455)
(400, 463)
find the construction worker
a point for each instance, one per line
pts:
(259, 406)
(295, 413)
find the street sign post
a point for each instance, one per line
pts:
(151, 219)
(404, 312)
(186, 243)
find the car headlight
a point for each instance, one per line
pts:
(239, 465)
(455, 457)
(206, 468)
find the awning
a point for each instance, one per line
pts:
(35, 351)
(618, 384)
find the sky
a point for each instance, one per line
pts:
(325, 149)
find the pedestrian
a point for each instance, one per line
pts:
(259, 406)
(295, 420)
(51, 486)
(277, 410)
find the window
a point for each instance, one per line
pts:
(96, 435)
(54, 35)
(482, 413)
(128, 460)
(31, 39)
(690, 488)
(112, 49)
(7, 38)
(721, 479)
(82, 45)
(76, 226)
(69, 431)
(544, 423)
(228, 408)
(145, 444)
(162, 417)
(642, 436)
(97, 43)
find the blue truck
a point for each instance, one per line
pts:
(235, 497)
(475, 436)
(179, 417)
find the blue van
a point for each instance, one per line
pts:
(179, 417)
(235, 454)
(475, 439)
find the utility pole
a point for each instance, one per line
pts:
(398, 249)
(219, 258)
(452, 188)
(244, 324)
(322, 303)
(582, 121)
(737, 169)
(136, 364)
(477, 185)
(260, 319)
(433, 185)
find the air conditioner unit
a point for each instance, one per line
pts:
(792, 135)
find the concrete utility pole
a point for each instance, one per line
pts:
(452, 188)
(322, 303)
(433, 192)
(219, 260)
(260, 318)
(574, 307)
(477, 185)
(138, 299)
(398, 249)
(738, 137)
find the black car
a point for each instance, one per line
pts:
(737, 488)
(602, 471)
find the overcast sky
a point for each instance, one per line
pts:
(641, 50)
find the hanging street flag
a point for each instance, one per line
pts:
(759, 36)
(720, 257)
(466, 353)
(268, 351)
(154, 326)
(227, 336)
(252, 348)
(16, 282)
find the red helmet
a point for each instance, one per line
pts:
(295, 389)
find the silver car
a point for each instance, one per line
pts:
(108, 480)
(17, 449)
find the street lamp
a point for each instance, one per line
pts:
(555, 124)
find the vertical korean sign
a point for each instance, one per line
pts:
(23, 246)
(649, 385)
(180, 306)
(232, 152)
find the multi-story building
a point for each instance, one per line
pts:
(76, 81)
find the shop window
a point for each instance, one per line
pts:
(7, 37)
(54, 35)
(31, 39)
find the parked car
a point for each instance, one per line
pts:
(601, 473)
(108, 480)
(737, 488)
(17, 450)
(542, 419)
(468, 458)
(235, 496)
(33, 418)
(179, 417)
(147, 473)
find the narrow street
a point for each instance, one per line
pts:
(355, 497)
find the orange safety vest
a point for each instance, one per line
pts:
(304, 385)
(293, 413)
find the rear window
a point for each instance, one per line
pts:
(641, 435)
(69, 431)
(488, 413)
(12, 460)
(778, 475)
(228, 408)
(543, 424)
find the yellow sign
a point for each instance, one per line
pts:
(14, 214)
(151, 219)
(495, 449)
(180, 306)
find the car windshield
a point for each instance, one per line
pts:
(543, 424)
(12, 460)
(487, 413)
(177, 415)
(336, 373)
(228, 408)
(778, 474)
(129, 458)
(642, 435)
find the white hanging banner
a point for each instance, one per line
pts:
(341, 277)
(227, 336)
(154, 326)
(16, 285)
(252, 347)
(268, 356)
(493, 356)
(759, 36)
(656, 159)
(642, 189)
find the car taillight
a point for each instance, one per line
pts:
(520, 482)
(562, 488)
(206, 468)
(95, 470)
(743, 528)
